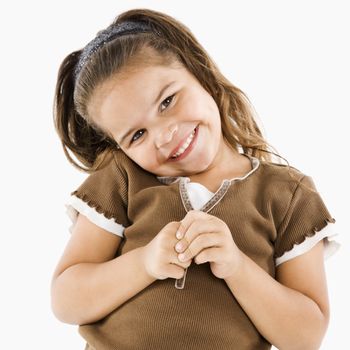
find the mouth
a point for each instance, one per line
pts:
(185, 148)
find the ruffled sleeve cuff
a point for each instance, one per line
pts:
(330, 244)
(75, 205)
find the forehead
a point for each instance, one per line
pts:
(131, 92)
(140, 80)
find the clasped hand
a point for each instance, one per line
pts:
(206, 238)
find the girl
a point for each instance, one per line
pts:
(180, 177)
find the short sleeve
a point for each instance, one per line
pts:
(102, 198)
(305, 223)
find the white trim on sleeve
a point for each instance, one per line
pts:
(74, 205)
(330, 245)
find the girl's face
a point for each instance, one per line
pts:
(162, 118)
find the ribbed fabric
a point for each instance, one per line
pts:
(267, 213)
(75, 205)
(297, 219)
(106, 191)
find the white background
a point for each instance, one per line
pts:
(291, 59)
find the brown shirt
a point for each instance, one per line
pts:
(267, 212)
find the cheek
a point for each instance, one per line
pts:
(143, 157)
(205, 107)
(213, 107)
(135, 156)
(191, 105)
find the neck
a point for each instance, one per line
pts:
(228, 164)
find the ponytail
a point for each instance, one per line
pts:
(85, 140)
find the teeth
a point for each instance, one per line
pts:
(183, 148)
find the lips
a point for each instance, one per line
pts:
(188, 148)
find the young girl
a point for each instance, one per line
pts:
(181, 180)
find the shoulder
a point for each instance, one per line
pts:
(127, 165)
(286, 187)
(109, 176)
(280, 176)
(116, 163)
(277, 184)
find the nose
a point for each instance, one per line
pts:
(165, 135)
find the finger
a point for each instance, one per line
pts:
(191, 216)
(200, 243)
(174, 271)
(175, 260)
(207, 255)
(198, 227)
(184, 264)
(180, 245)
(171, 226)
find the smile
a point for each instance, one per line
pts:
(186, 147)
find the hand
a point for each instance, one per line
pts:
(160, 257)
(206, 238)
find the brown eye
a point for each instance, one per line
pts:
(137, 133)
(166, 102)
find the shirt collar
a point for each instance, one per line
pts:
(167, 180)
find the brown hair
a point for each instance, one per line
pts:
(171, 39)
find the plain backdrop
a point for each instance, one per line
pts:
(290, 57)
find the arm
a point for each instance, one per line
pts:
(88, 273)
(291, 312)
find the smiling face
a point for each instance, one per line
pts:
(156, 112)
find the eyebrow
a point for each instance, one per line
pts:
(126, 135)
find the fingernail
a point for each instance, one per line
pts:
(181, 257)
(178, 235)
(178, 247)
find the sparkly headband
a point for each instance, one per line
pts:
(105, 36)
